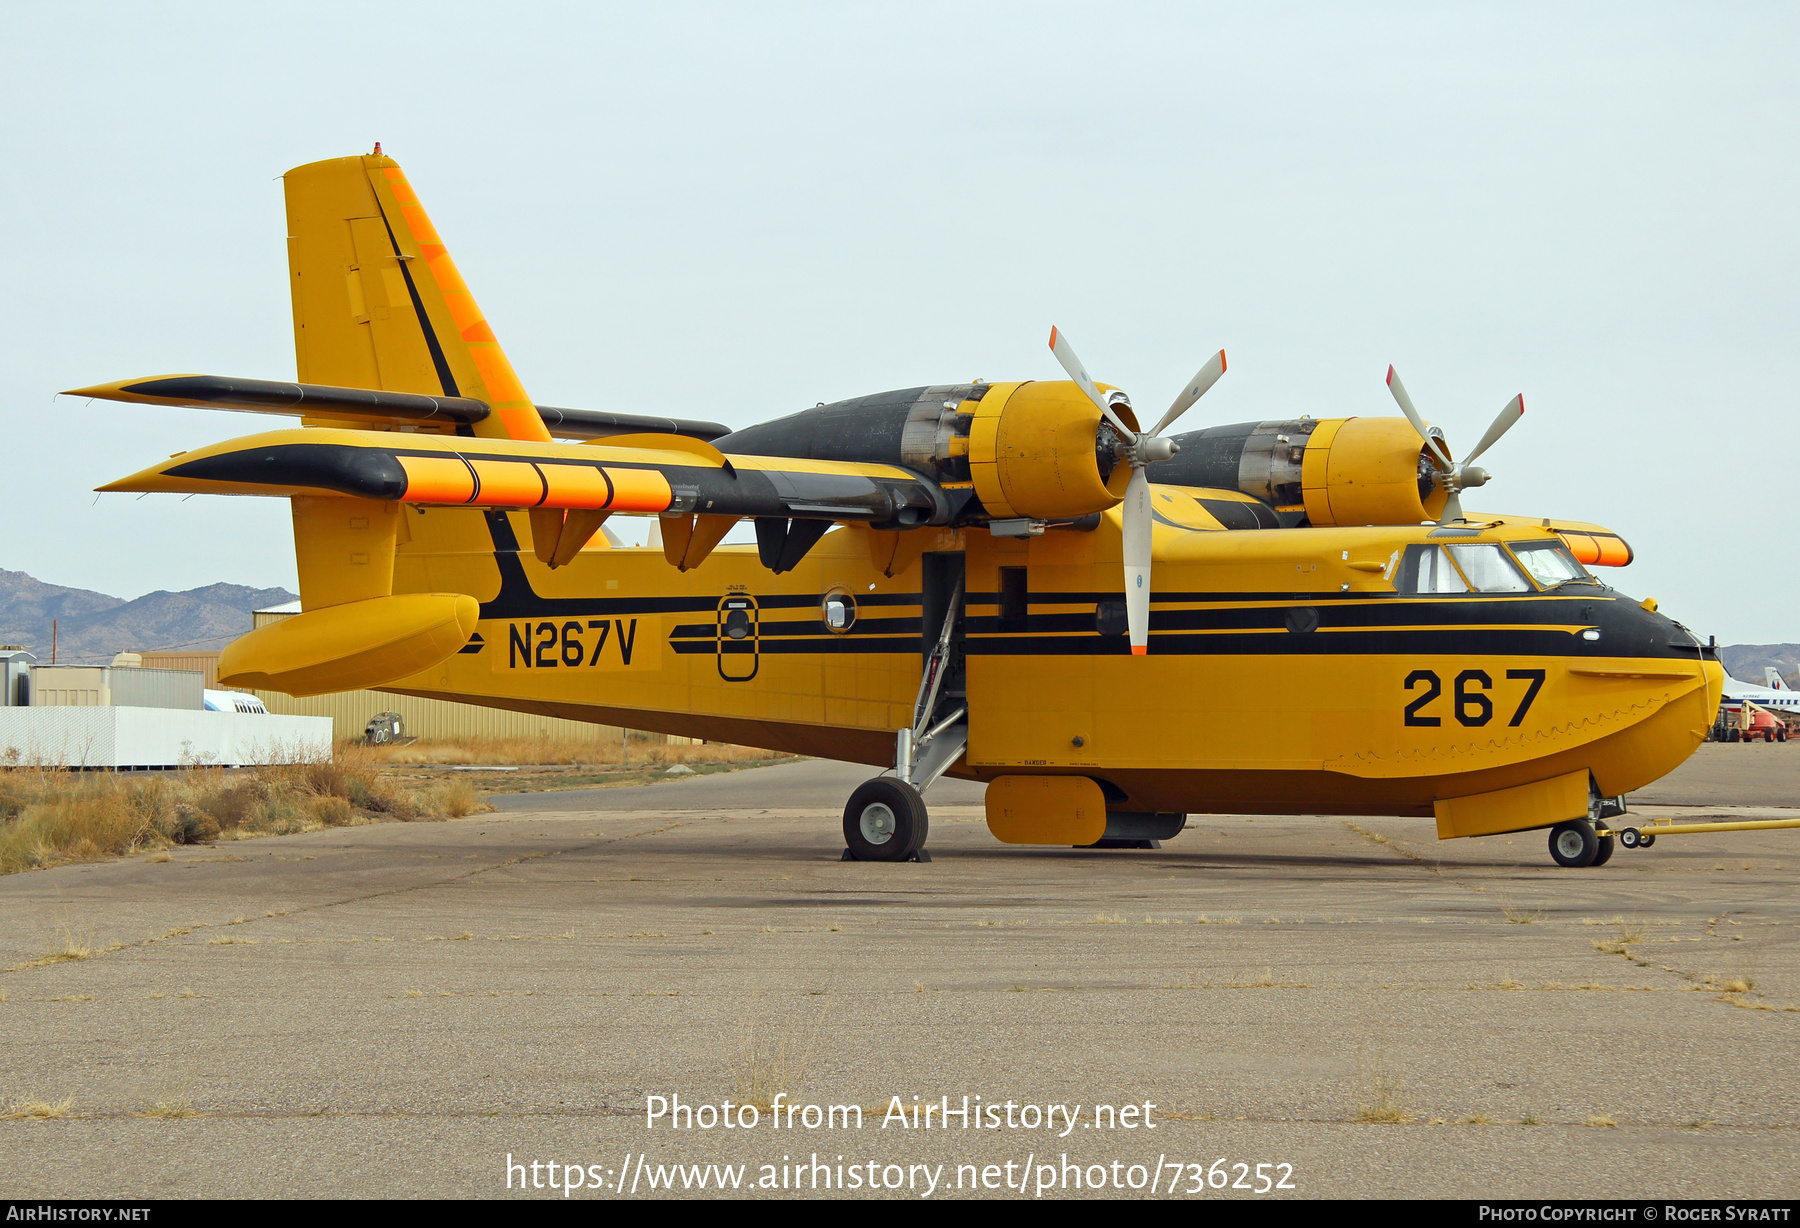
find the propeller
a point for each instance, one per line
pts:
(1141, 449)
(1455, 478)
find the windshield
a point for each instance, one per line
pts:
(1488, 569)
(1551, 564)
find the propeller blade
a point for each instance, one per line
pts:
(1136, 511)
(1203, 379)
(1065, 354)
(1412, 416)
(1515, 409)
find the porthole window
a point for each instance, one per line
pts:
(839, 611)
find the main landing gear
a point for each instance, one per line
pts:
(885, 819)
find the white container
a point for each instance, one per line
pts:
(137, 738)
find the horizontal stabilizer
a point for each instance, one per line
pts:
(369, 406)
(636, 475)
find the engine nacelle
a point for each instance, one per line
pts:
(1040, 449)
(1332, 471)
(1031, 449)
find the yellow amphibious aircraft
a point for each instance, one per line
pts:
(1110, 626)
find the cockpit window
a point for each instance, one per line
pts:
(1488, 569)
(1426, 569)
(1551, 564)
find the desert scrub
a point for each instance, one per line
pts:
(643, 749)
(52, 817)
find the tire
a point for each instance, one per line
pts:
(1631, 838)
(885, 820)
(1574, 844)
(1781, 735)
(1604, 850)
(1734, 735)
(1648, 840)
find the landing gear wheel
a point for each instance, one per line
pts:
(1604, 852)
(1649, 838)
(1574, 844)
(1631, 838)
(885, 820)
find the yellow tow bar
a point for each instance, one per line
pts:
(1632, 837)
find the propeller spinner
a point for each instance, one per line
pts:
(1455, 478)
(1141, 449)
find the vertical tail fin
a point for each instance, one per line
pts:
(378, 303)
(1773, 677)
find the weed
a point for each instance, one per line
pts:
(1530, 1117)
(770, 1065)
(1602, 1121)
(1477, 1119)
(1385, 1101)
(69, 945)
(161, 855)
(20, 1108)
(1519, 917)
(1101, 918)
(174, 1103)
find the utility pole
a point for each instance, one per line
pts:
(53, 641)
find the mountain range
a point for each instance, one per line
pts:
(91, 627)
(1746, 662)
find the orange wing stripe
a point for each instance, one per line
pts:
(640, 490)
(437, 479)
(576, 486)
(508, 483)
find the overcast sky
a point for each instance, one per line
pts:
(733, 212)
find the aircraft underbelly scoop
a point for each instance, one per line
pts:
(351, 646)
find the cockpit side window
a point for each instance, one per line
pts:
(1488, 568)
(1551, 564)
(1427, 569)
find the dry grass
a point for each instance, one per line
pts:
(1386, 1100)
(30, 1107)
(769, 1063)
(643, 749)
(172, 1103)
(1602, 1122)
(52, 817)
(1520, 917)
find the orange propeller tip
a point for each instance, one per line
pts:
(1053, 336)
(1140, 650)
(1221, 360)
(1390, 374)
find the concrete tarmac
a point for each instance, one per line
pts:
(394, 1010)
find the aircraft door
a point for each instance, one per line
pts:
(738, 652)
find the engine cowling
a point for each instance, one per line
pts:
(1040, 449)
(1035, 449)
(1331, 471)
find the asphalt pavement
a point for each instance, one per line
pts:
(394, 1010)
